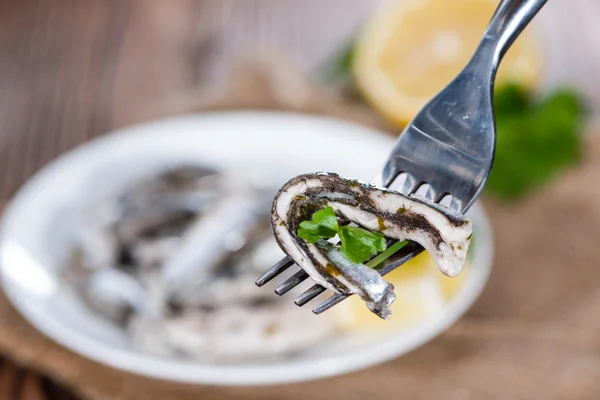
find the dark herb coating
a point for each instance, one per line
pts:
(358, 196)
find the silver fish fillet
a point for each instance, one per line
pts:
(444, 233)
(377, 293)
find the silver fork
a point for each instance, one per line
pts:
(445, 154)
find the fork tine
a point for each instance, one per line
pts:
(404, 183)
(291, 283)
(275, 270)
(330, 302)
(425, 191)
(308, 295)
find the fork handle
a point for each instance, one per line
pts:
(510, 18)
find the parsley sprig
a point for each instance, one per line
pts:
(358, 244)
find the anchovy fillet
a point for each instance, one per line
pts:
(443, 233)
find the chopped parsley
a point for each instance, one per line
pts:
(358, 244)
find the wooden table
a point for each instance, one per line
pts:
(18, 383)
(72, 70)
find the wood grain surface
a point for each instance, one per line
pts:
(71, 70)
(18, 383)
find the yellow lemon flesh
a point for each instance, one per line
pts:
(411, 49)
(421, 291)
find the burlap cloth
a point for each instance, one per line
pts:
(533, 334)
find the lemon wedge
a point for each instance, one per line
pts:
(410, 49)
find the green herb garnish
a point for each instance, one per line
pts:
(386, 254)
(358, 244)
(535, 139)
(324, 225)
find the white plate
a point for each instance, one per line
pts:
(35, 233)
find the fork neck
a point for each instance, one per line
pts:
(509, 20)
